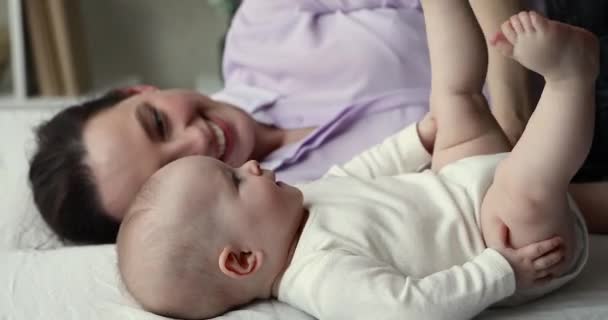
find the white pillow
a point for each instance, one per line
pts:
(20, 223)
(83, 283)
(67, 283)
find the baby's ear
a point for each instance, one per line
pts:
(239, 264)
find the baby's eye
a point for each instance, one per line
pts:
(235, 179)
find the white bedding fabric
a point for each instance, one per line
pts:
(83, 282)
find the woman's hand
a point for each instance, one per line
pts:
(535, 263)
(427, 131)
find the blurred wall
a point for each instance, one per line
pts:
(165, 43)
(3, 12)
(4, 74)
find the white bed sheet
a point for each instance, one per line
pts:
(83, 283)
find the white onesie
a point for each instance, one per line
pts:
(384, 242)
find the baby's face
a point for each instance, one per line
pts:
(205, 207)
(256, 208)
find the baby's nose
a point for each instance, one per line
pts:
(270, 174)
(254, 167)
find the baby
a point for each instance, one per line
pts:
(373, 238)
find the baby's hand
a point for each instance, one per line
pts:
(535, 263)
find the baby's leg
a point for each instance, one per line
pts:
(529, 193)
(458, 67)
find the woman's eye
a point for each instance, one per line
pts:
(159, 124)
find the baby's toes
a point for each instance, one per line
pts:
(526, 21)
(500, 42)
(508, 31)
(516, 23)
(539, 22)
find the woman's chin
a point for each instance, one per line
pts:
(234, 160)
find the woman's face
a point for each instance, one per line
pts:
(127, 143)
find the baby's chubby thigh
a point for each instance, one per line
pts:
(515, 218)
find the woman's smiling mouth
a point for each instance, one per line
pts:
(220, 139)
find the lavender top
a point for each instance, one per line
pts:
(357, 70)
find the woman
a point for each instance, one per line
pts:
(299, 95)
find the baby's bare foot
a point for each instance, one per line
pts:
(555, 50)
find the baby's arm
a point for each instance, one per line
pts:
(346, 286)
(404, 152)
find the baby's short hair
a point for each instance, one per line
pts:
(167, 256)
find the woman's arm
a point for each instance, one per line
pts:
(507, 80)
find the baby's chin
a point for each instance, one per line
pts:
(297, 196)
(296, 190)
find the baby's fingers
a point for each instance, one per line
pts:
(542, 280)
(538, 249)
(549, 260)
(545, 275)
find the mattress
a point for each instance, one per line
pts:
(42, 279)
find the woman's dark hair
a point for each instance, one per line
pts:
(62, 184)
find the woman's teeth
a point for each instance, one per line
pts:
(220, 138)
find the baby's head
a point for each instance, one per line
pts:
(202, 237)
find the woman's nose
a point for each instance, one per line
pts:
(189, 142)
